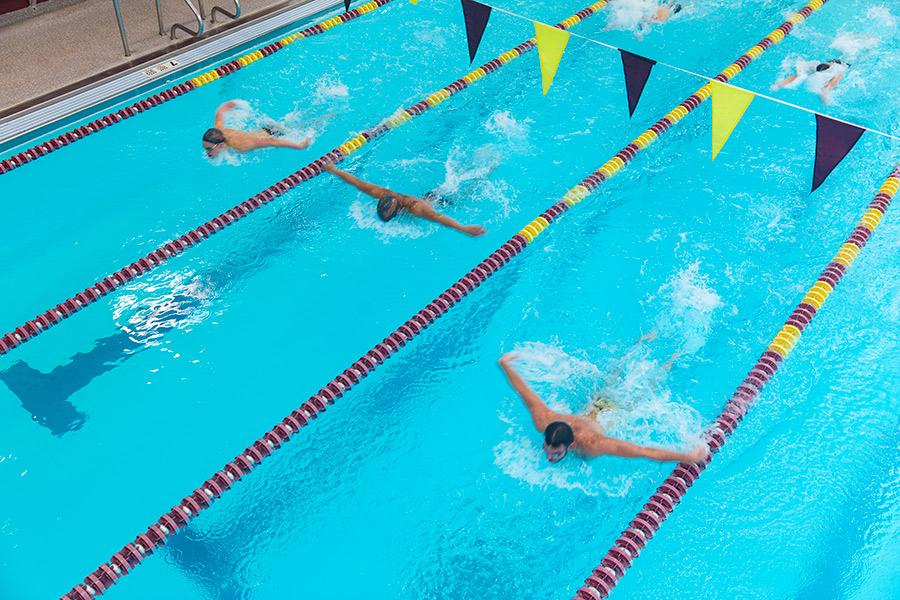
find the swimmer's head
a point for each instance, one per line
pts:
(676, 8)
(558, 438)
(213, 140)
(388, 206)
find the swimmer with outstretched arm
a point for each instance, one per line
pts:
(835, 67)
(582, 434)
(391, 203)
(219, 137)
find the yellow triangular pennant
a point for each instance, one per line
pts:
(728, 106)
(414, 1)
(551, 43)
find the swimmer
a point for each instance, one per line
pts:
(820, 78)
(391, 203)
(581, 433)
(219, 137)
(663, 13)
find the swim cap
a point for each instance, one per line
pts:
(214, 136)
(388, 206)
(559, 434)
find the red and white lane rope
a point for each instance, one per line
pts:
(661, 504)
(55, 315)
(156, 535)
(26, 156)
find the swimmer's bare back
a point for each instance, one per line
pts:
(245, 141)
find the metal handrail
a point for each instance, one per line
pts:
(180, 27)
(219, 10)
(121, 27)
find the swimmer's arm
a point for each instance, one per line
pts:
(540, 413)
(371, 189)
(615, 447)
(780, 84)
(833, 83)
(274, 142)
(222, 111)
(825, 94)
(423, 210)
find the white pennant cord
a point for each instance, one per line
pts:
(701, 76)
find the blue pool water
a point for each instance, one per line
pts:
(426, 481)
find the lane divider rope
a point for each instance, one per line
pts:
(156, 535)
(26, 156)
(53, 316)
(130, 556)
(661, 504)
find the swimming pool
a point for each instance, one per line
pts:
(152, 389)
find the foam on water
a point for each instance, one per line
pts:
(329, 88)
(690, 302)
(629, 14)
(403, 226)
(468, 186)
(881, 15)
(513, 132)
(165, 300)
(854, 46)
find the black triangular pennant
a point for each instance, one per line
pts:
(637, 71)
(346, 5)
(834, 139)
(476, 16)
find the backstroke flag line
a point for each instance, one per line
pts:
(637, 71)
(551, 43)
(728, 106)
(834, 140)
(476, 16)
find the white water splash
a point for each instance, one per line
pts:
(328, 88)
(512, 131)
(852, 46)
(165, 300)
(403, 226)
(881, 15)
(690, 307)
(629, 14)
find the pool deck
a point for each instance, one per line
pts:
(71, 47)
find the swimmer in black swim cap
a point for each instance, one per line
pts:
(663, 13)
(219, 137)
(388, 207)
(390, 204)
(835, 67)
(582, 433)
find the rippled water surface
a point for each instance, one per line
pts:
(427, 481)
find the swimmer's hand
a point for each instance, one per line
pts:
(508, 358)
(473, 230)
(698, 455)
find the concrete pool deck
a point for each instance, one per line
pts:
(57, 52)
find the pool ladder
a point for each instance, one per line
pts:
(199, 15)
